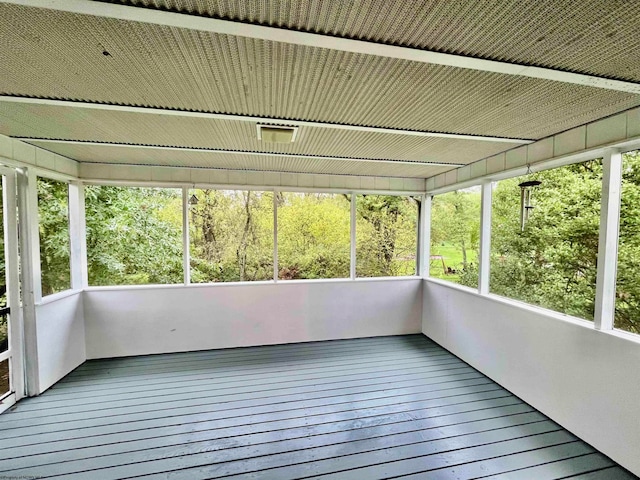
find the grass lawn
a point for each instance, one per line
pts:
(452, 259)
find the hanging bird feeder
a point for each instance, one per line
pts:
(525, 201)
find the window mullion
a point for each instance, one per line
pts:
(77, 231)
(425, 236)
(186, 261)
(485, 238)
(352, 244)
(608, 240)
(275, 236)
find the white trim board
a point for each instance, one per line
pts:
(19, 154)
(225, 27)
(592, 140)
(122, 174)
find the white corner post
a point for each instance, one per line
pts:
(186, 261)
(275, 236)
(484, 259)
(16, 332)
(29, 272)
(30, 232)
(424, 237)
(608, 240)
(352, 242)
(78, 239)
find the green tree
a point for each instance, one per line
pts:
(231, 236)
(386, 235)
(455, 235)
(53, 213)
(134, 235)
(313, 235)
(552, 263)
(627, 312)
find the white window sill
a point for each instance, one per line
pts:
(54, 297)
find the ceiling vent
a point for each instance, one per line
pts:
(277, 133)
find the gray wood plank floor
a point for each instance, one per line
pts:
(362, 409)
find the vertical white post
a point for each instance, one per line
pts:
(425, 237)
(33, 236)
(352, 244)
(608, 240)
(77, 234)
(30, 272)
(485, 238)
(186, 261)
(275, 236)
(16, 332)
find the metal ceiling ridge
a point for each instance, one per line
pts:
(315, 40)
(250, 118)
(240, 152)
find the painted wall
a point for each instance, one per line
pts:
(143, 320)
(60, 338)
(587, 381)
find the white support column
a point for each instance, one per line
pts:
(424, 238)
(485, 238)
(29, 272)
(352, 243)
(275, 236)
(77, 234)
(16, 333)
(32, 224)
(608, 240)
(186, 261)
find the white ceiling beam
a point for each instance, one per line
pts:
(253, 119)
(238, 152)
(225, 27)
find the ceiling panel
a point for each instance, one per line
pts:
(180, 158)
(85, 124)
(598, 37)
(83, 58)
(60, 55)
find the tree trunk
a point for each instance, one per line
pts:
(464, 253)
(241, 253)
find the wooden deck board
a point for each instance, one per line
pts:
(351, 409)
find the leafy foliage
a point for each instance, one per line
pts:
(552, 263)
(627, 313)
(455, 236)
(53, 212)
(134, 235)
(231, 236)
(313, 235)
(386, 235)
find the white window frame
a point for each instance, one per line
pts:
(607, 259)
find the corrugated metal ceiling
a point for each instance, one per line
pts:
(159, 66)
(52, 54)
(145, 156)
(598, 37)
(68, 123)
